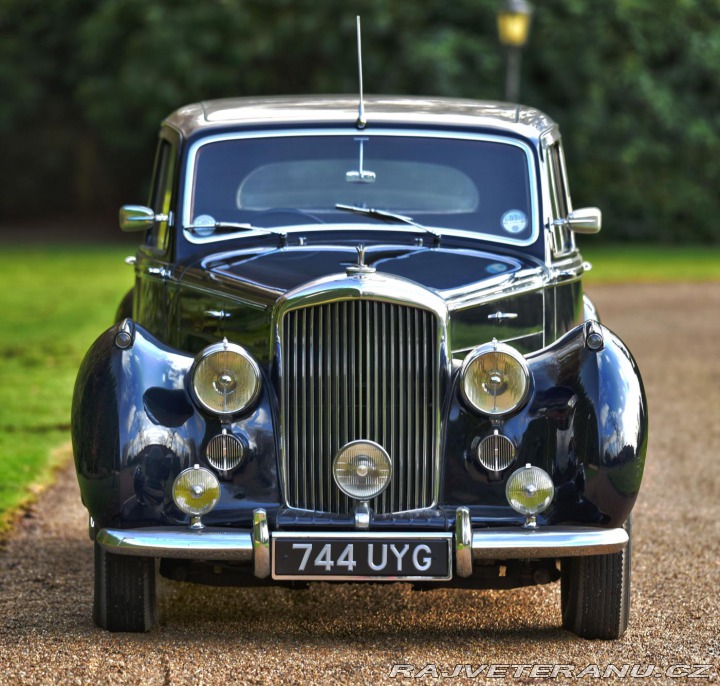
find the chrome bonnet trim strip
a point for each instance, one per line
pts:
(377, 286)
(179, 542)
(504, 543)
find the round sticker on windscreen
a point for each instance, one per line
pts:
(204, 225)
(514, 221)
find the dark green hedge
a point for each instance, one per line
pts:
(634, 85)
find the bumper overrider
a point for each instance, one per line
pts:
(331, 556)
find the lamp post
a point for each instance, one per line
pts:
(514, 29)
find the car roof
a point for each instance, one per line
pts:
(294, 111)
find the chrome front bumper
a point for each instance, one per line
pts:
(526, 543)
(506, 543)
(209, 543)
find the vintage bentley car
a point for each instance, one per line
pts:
(358, 349)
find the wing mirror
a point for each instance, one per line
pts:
(139, 218)
(585, 220)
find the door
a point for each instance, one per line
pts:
(154, 267)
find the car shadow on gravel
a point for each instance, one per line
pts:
(346, 614)
(48, 590)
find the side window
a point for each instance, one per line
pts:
(564, 241)
(161, 195)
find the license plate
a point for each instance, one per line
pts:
(354, 557)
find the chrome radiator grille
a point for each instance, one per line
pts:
(359, 369)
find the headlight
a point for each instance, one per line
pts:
(362, 469)
(495, 379)
(529, 490)
(225, 379)
(196, 491)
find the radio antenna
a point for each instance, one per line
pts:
(361, 121)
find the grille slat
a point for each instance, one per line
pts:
(359, 369)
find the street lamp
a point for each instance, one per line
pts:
(514, 29)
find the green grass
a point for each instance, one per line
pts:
(650, 264)
(54, 302)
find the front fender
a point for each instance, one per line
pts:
(585, 424)
(135, 428)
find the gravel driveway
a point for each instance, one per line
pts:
(355, 634)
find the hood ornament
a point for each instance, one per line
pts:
(360, 268)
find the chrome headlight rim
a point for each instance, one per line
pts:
(215, 348)
(505, 349)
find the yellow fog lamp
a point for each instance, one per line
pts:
(225, 379)
(196, 492)
(495, 379)
(529, 491)
(362, 469)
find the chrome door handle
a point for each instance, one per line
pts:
(499, 316)
(217, 314)
(162, 272)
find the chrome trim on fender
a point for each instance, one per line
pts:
(125, 335)
(556, 541)
(589, 309)
(594, 338)
(179, 542)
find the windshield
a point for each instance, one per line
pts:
(482, 185)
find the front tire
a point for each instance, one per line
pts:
(595, 593)
(124, 592)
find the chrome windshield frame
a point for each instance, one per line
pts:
(525, 146)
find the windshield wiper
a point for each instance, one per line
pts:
(205, 230)
(388, 217)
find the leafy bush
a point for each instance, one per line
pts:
(632, 84)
